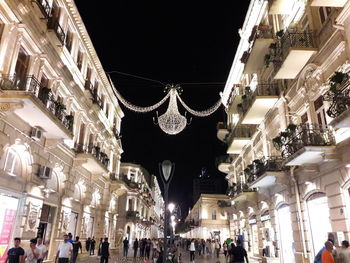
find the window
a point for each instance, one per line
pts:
(22, 64)
(320, 112)
(80, 60)
(69, 40)
(304, 118)
(213, 215)
(46, 221)
(10, 162)
(107, 110)
(324, 12)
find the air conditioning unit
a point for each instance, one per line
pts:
(36, 133)
(45, 172)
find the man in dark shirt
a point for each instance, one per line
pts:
(239, 253)
(125, 247)
(76, 245)
(15, 254)
(104, 251)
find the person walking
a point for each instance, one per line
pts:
(64, 251)
(104, 251)
(76, 245)
(317, 258)
(42, 248)
(33, 253)
(142, 247)
(224, 246)
(238, 253)
(148, 248)
(344, 252)
(327, 256)
(125, 247)
(217, 248)
(92, 246)
(87, 244)
(192, 251)
(15, 254)
(99, 247)
(135, 247)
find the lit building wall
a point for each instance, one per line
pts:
(279, 101)
(60, 122)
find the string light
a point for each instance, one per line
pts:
(171, 122)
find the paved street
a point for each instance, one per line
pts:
(116, 258)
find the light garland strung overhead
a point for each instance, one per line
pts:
(171, 122)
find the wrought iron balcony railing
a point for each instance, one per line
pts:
(224, 203)
(44, 7)
(241, 131)
(129, 182)
(260, 166)
(339, 98)
(264, 89)
(236, 189)
(132, 214)
(297, 137)
(95, 151)
(31, 85)
(260, 32)
(54, 25)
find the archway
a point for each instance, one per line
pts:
(285, 234)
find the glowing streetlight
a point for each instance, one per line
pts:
(171, 207)
(172, 218)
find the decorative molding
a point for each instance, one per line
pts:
(9, 107)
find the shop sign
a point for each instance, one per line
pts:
(252, 221)
(265, 218)
(8, 209)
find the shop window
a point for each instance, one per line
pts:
(213, 215)
(285, 234)
(72, 226)
(22, 64)
(324, 12)
(319, 222)
(320, 112)
(46, 221)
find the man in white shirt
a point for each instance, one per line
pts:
(64, 251)
(344, 252)
(43, 250)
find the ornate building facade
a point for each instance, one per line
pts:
(287, 130)
(60, 148)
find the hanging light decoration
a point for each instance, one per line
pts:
(171, 122)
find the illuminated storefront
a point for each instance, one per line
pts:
(285, 234)
(8, 212)
(268, 235)
(253, 236)
(318, 213)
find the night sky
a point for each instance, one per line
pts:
(178, 41)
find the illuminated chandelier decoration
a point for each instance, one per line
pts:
(171, 122)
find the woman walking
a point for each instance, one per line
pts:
(192, 251)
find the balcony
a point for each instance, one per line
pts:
(304, 144)
(330, 3)
(339, 96)
(261, 39)
(54, 27)
(280, 7)
(265, 172)
(239, 137)
(132, 215)
(96, 100)
(223, 163)
(38, 106)
(131, 184)
(241, 192)
(256, 104)
(222, 131)
(94, 160)
(44, 7)
(224, 203)
(295, 50)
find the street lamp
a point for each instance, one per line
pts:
(171, 207)
(166, 170)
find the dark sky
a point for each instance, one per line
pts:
(176, 41)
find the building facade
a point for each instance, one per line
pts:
(140, 206)
(208, 218)
(287, 130)
(60, 148)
